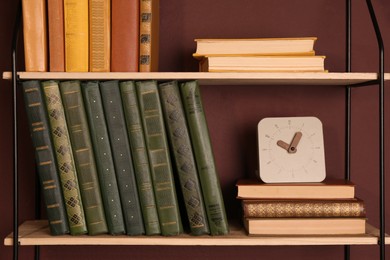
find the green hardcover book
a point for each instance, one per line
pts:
(140, 157)
(65, 159)
(103, 155)
(84, 158)
(204, 158)
(183, 156)
(113, 110)
(160, 163)
(45, 158)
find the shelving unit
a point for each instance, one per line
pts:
(36, 232)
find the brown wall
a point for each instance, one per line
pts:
(233, 113)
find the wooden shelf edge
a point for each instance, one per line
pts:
(36, 232)
(214, 78)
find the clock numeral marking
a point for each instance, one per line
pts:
(269, 137)
(289, 124)
(269, 162)
(315, 161)
(265, 149)
(300, 129)
(276, 126)
(313, 134)
(316, 147)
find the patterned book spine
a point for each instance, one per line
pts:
(303, 208)
(140, 157)
(66, 166)
(113, 110)
(204, 158)
(76, 35)
(160, 163)
(84, 157)
(45, 159)
(99, 35)
(149, 35)
(104, 161)
(180, 144)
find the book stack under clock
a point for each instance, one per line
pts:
(258, 55)
(324, 208)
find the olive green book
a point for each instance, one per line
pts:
(65, 159)
(80, 138)
(182, 153)
(204, 157)
(123, 162)
(44, 156)
(140, 157)
(159, 158)
(103, 155)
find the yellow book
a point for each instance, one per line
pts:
(35, 36)
(99, 34)
(76, 35)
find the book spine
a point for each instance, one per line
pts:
(149, 35)
(113, 110)
(180, 143)
(303, 208)
(45, 159)
(35, 35)
(160, 162)
(76, 35)
(99, 35)
(55, 10)
(84, 158)
(103, 155)
(65, 159)
(204, 158)
(125, 35)
(140, 157)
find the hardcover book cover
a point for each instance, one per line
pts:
(159, 158)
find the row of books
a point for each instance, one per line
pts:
(91, 35)
(109, 155)
(258, 55)
(323, 208)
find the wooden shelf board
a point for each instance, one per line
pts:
(214, 78)
(36, 232)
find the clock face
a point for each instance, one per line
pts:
(291, 149)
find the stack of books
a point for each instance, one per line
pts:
(110, 155)
(91, 35)
(326, 208)
(258, 55)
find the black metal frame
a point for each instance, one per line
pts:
(379, 81)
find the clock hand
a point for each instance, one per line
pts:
(282, 144)
(294, 143)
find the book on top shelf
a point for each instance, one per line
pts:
(255, 46)
(262, 64)
(305, 226)
(55, 19)
(328, 189)
(35, 35)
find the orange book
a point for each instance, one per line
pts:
(149, 35)
(99, 35)
(55, 10)
(76, 35)
(35, 36)
(125, 35)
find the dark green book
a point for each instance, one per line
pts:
(140, 157)
(104, 161)
(160, 162)
(65, 159)
(84, 158)
(45, 158)
(182, 153)
(113, 110)
(204, 157)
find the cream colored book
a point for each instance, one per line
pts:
(305, 226)
(262, 63)
(255, 46)
(328, 189)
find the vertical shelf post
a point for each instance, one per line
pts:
(15, 134)
(381, 130)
